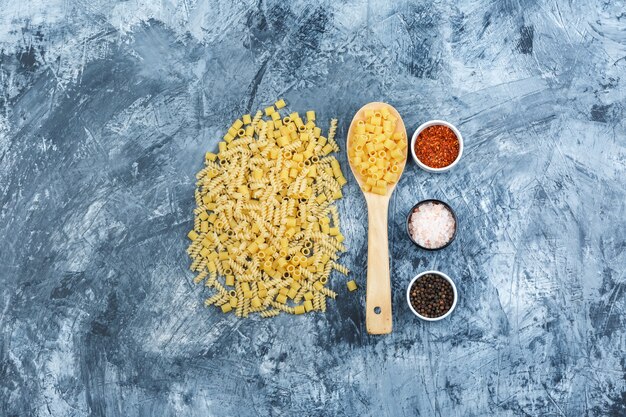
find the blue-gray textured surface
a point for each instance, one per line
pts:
(107, 107)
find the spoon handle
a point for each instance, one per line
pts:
(378, 295)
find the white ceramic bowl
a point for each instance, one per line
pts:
(447, 278)
(432, 123)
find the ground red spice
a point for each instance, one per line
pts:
(437, 146)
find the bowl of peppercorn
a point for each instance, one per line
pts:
(436, 146)
(432, 296)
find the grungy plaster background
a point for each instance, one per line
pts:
(106, 108)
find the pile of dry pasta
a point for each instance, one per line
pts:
(266, 232)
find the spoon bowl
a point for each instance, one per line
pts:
(378, 314)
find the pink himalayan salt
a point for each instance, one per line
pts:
(432, 225)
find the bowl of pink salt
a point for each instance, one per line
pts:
(431, 224)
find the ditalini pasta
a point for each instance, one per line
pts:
(266, 232)
(377, 151)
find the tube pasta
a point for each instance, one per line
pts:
(266, 231)
(377, 150)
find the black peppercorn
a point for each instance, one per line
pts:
(431, 295)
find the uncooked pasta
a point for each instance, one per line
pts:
(266, 233)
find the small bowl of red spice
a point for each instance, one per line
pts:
(436, 146)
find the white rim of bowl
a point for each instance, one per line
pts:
(433, 123)
(454, 291)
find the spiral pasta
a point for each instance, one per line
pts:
(269, 313)
(266, 232)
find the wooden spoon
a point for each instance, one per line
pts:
(378, 317)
